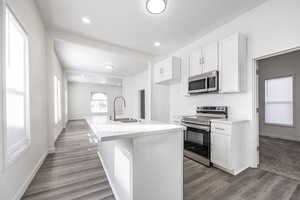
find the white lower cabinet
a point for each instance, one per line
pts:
(229, 147)
(220, 150)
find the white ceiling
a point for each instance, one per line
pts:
(85, 58)
(128, 24)
(87, 77)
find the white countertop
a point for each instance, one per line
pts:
(229, 120)
(111, 130)
(177, 120)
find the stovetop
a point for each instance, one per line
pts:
(198, 119)
(205, 114)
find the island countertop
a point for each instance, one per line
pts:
(107, 130)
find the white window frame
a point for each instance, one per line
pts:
(11, 156)
(66, 101)
(57, 99)
(99, 113)
(280, 102)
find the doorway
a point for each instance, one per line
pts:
(278, 94)
(142, 104)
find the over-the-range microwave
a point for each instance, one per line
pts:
(204, 83)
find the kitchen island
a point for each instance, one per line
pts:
(142, 160)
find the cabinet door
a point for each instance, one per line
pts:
(158, 73)
(220, 150)
(210, 57)
(196, 66)
(167, 69)
(185, 65)
(229, 64)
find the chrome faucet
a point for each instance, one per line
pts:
(118, 97)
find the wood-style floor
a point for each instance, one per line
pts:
(280, 156)
(74, 172)
(201, 183)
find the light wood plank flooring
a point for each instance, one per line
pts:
(74, 172)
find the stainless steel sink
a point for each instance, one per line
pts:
(126, 120)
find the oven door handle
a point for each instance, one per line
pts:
(196, 126)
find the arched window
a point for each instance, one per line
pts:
(99, 103)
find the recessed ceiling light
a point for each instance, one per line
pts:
(86, 20)
(156, 6)
(108, 67)
(156, 44)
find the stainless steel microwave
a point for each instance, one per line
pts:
(204, 83)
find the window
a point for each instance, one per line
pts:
(16, 101)
(57, 99)
(98, 103)
(66, 102)
(279, 101)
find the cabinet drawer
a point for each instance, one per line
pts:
(221, 128)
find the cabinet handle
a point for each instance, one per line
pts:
(203, 60)
(161, 70)
(221, 129)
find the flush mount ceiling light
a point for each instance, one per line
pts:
(156, 44)
(86, 20)
(156, 6)
(108, 67)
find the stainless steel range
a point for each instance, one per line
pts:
(197, 135)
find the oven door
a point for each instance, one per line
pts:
(197, 141)
(197, 85)
(213, 82)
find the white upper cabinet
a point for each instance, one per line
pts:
(196, 66)
(204, 60)
(210, 57)
(232, 57)
(167, 71)
(185, 67)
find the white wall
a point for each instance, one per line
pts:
(54, 69)
(160, 102)
(131, 87)
(14, 179)
(272, 27)
(79, 96)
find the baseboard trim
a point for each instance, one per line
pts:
(51, 150)
(59, 133)
(76, 119)
(29, 179)
(108, 177)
